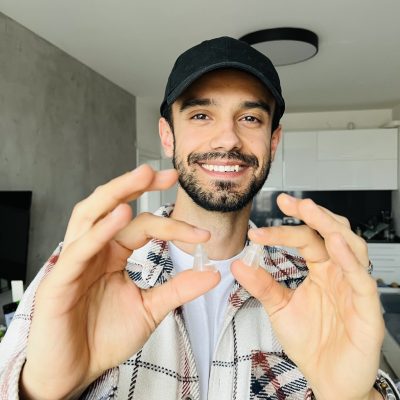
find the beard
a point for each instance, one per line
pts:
(224, 196)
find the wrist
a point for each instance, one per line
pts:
(31, 389)
(375, 395)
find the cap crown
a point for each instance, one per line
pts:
(219, 53)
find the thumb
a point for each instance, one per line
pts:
(181, 289)
(260, 284)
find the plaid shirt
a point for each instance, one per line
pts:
(248, 361)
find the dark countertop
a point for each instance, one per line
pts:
(395, 240)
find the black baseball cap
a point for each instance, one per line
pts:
(220, 53)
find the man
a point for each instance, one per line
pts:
(102, 327)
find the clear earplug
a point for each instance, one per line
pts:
(253, 255)
(201, 261)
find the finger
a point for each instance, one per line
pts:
(317, 217)
(131, 234)
(80, 251)
(181, 289)
(357, 276)
(323, 222)
(260, 284)
(122, 189)
(339, 218)
(309, 244)
(146, 226)
(365, 298)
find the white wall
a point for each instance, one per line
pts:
(336, 119)
(396, 112)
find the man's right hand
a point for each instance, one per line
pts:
(89, 316)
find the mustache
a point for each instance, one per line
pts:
(247, 159)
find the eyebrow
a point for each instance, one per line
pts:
(193, 102)
(188, 103)
(257, 104)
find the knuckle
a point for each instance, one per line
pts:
(98, 190)
(306, 204)
(146, 223)
(78, 208)
(145, 215)
(345, 221)
(362, 244)
(81, 213)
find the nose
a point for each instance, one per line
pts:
(226, 137)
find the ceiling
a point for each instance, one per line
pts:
(134, 43)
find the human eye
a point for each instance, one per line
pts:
(199, 116)
(251, 119)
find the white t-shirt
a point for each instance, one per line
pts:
(204, 316)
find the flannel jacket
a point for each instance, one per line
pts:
(248, 362)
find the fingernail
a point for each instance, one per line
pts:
(201, 261)
(289, 198)
(252, 255)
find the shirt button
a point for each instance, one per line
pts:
(188, 398)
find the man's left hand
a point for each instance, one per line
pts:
(331, 326)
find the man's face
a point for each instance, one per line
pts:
(222, 139)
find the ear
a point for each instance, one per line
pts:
(275, 139)
(166, 136)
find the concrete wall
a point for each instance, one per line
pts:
(64, 130)
(148, 140)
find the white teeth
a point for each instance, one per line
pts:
(222, 168)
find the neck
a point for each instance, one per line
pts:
(228, 230)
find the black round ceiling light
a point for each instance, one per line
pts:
(284, 46)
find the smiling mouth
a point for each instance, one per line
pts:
(222, 168)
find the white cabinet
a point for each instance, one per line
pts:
(299, 160)
(357, 175)
(363, 159)
(360, 144)
(385, 258)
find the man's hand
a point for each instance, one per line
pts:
(89, 316)
(331, 325)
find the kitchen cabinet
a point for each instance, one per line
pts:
(364, 159)
(360, 144)
(385, 258)
(299, 160)
(357, 175)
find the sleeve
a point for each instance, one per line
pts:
(383, 384)
(13, 346)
